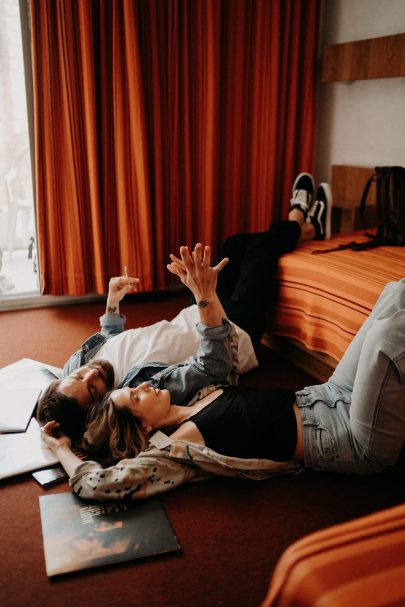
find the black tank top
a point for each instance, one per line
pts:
(249, 423)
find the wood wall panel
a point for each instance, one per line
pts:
(365, 59)
(347, 184)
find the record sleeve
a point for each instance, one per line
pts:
(81, 535)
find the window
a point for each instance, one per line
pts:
(18, 260)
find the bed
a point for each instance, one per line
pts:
(323, 299)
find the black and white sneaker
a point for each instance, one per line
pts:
(321, 212)
(303, 193)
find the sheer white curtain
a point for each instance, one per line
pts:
(17, 228)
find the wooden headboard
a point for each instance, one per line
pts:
(347, 183)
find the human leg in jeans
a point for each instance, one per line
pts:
(355, 422)
(377, 412)
(373, 370)
(390, 301)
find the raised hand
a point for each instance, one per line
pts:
(118, 287)
(195, 271)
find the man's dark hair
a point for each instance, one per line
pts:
(55, 406)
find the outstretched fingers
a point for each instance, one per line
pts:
(200, 258)
(220, 266)
(176, 260)
(198, 255)
(186, 258)
(206, 260)
(176, 269)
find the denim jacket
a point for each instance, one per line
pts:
(110, 324)
(215, 362)
(166, 463)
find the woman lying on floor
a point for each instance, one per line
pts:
(354, 423)
(245, 288)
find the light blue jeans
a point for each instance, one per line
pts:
(355, 422)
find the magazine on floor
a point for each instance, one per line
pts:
(23, 451)
(81, 535)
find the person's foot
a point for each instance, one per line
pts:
(302, 193)
(321, 212)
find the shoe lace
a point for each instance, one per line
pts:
(312, 211)
(301, 197)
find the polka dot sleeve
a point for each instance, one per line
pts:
(131, 478)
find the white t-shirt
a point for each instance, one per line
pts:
(167, 342)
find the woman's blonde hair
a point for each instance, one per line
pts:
(115, 430)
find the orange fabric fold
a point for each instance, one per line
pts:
(324, 299)
(164, 123)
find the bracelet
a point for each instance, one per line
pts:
(203, 303)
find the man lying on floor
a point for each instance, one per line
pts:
(354, 423)
(245, 286)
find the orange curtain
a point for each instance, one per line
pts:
(93, 200)
(163, 122)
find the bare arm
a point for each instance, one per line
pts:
(61, 446)
(196, 273)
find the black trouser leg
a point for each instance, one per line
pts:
(245, 286)
(234, 248)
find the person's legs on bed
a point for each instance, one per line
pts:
(237, 246)
(320, 214)
(234, 248)
(245, 286)
(248, 302)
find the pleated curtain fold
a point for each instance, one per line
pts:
(164, 122)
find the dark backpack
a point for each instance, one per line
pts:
(390, 186)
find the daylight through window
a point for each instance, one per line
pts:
(18, 260)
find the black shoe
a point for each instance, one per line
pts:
(320, 213)
(303, 193)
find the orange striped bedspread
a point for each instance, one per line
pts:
(324, 299)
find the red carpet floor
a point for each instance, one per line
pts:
(232, 532)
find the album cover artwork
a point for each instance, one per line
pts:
(81, 535)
